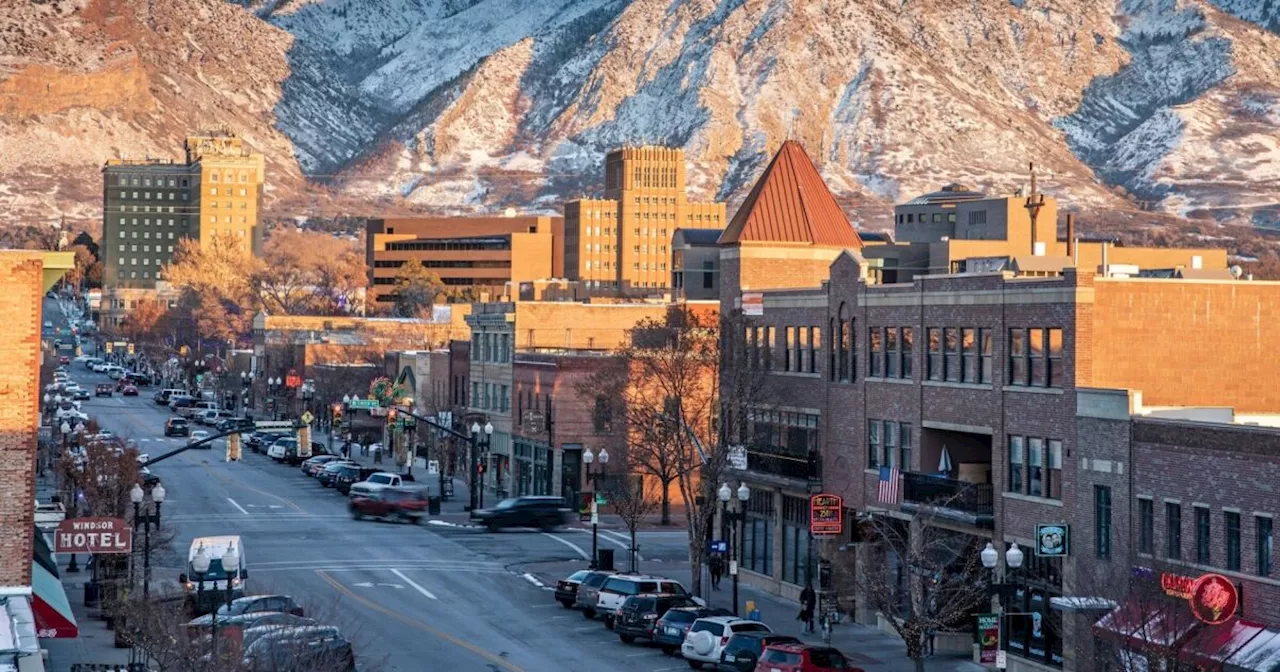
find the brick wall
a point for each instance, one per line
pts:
(1142, 340)
(20, 312)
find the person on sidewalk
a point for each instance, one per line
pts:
(807, 602)
(716, 565)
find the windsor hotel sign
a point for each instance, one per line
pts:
(93, 535)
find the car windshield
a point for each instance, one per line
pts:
(782, 657)
(506, 504)
(578, 575)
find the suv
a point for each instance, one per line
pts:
(177, 427)
(542, 512)
(567, 588)
(619, 587)
(589, 592)
(672, 626)
(330, 471)
(743, 650)
(180, 402)
(344, 477)
(102, 390)
(390, 504)
(708, 637)
(195, 408)
(163, 397)
(799, 657)
(640, 613)
(212, 416)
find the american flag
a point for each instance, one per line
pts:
(888, 490)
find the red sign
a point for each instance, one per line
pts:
(93, 535)
(1176, 585)
(1214, 599)
(826, 514)
(293, 380)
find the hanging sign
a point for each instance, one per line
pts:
(1053, 540)
(826, 514)
(1213, 598)
(988, 638)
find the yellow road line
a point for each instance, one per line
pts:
(413, 622)
(250, 488)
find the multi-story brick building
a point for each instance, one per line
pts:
(149, 205)
(623, 241)
(977, 388)
(471, 255)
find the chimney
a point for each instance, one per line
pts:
(1071, 235)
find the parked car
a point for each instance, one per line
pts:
(744, 648)
(330, 471)
(200, 435)
(545, 513)
(589, 592)
(709, 635)
(619, 587)
(260, 440)
(567, 588)
(349, 475)
(292, 458)
(129, 391)
(799, 657)
(639, 614)
(80, 394)
(177, 427)
(231, 422)
(255, 619)
(252, 603)
(102, 390)
(316, 647)
(406, 504)
(212, 417)
(64, 359)
(672, 627)
(163, 397)
(312, 465)
(195, 408)
(180, 402)
(275, 450)
(375, 482)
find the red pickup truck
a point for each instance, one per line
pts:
(405, 504)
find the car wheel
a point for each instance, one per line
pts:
(695, 664)
(547, 525)
(669, 650)
(492, 527)
(608, 622)
(627, 639)
(588, 613)
(567, 604)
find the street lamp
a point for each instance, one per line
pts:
(1013, 560)
(594, 474)
(477, 492)
(734, 518)
(148, 521)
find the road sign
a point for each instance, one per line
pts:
(307, 417)
(433, 467)
(718, 546)
(738, 457)
(93, 535)
(363, 404)
(107, 347)
(600, 500)
(199, 379)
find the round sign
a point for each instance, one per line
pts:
(1214, 599)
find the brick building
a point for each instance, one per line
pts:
(623, 241)
(472, 255)
(974, 391)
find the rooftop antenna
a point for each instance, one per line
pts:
(1035, 201)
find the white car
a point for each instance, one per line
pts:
(708, 636)
(617, 588)
(276, 450)
(200, 435)
(374, 483)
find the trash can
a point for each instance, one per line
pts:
(433, 505)
(92, 594)
(604, 558)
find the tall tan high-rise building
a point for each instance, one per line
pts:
(229, 197)
(624, 240)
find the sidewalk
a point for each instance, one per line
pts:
(865, 646)
(96, 644)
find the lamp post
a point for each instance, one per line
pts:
(477, 476)
(734, 518)
(1013, 560)
(147, 520)
(594, 474)
(200, 567)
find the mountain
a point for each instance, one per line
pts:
(1133, 110)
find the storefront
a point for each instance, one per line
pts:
(1034, 629)
(533, 468)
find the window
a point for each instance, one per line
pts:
(1203, 556)
(1263, 543)
(1017, 356)
(788, 350)
(968, 356)
(985, 345)
(1102, 521)
(891, 355)
(1053, 473)
(1035, 343)
(1035, 357)
(1055, 358)
(1173, 523)
(876, 344)
(602, 418)
(1231, 521)
(873, 444)
(951, 353)
(908, 350)
(767, 346)
(1016, 462)
(1146, 526)
(934, 366)
(1035, 467)
(904, 446)
(889, 440)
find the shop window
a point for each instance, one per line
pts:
(1146, 526)
(1203, 555)
(1173, 530)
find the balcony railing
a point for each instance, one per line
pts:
(973, 502)
(788, 466)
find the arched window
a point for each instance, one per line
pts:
(845, 364)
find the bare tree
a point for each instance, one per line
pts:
(1146, 618)
(922, 578)
(633, 499)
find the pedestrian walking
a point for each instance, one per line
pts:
(807, 602)
(716, 565)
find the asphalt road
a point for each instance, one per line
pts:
(411, 598)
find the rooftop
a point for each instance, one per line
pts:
(700, 236)
(951, 193)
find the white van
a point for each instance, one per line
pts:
(214, 580)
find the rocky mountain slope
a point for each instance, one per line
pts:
(1133, 108)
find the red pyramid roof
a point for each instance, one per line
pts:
(791, 204)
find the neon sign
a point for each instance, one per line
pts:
(1213, 598)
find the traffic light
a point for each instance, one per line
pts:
(233, 447)
(391, 417)
(337, 413)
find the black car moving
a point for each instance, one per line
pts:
(544, 513)
(639, 614)
(177, 427)
(346, 476)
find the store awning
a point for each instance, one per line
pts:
(54, 619)
(1212, 645)
(1260, 654)
(1137, 626)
